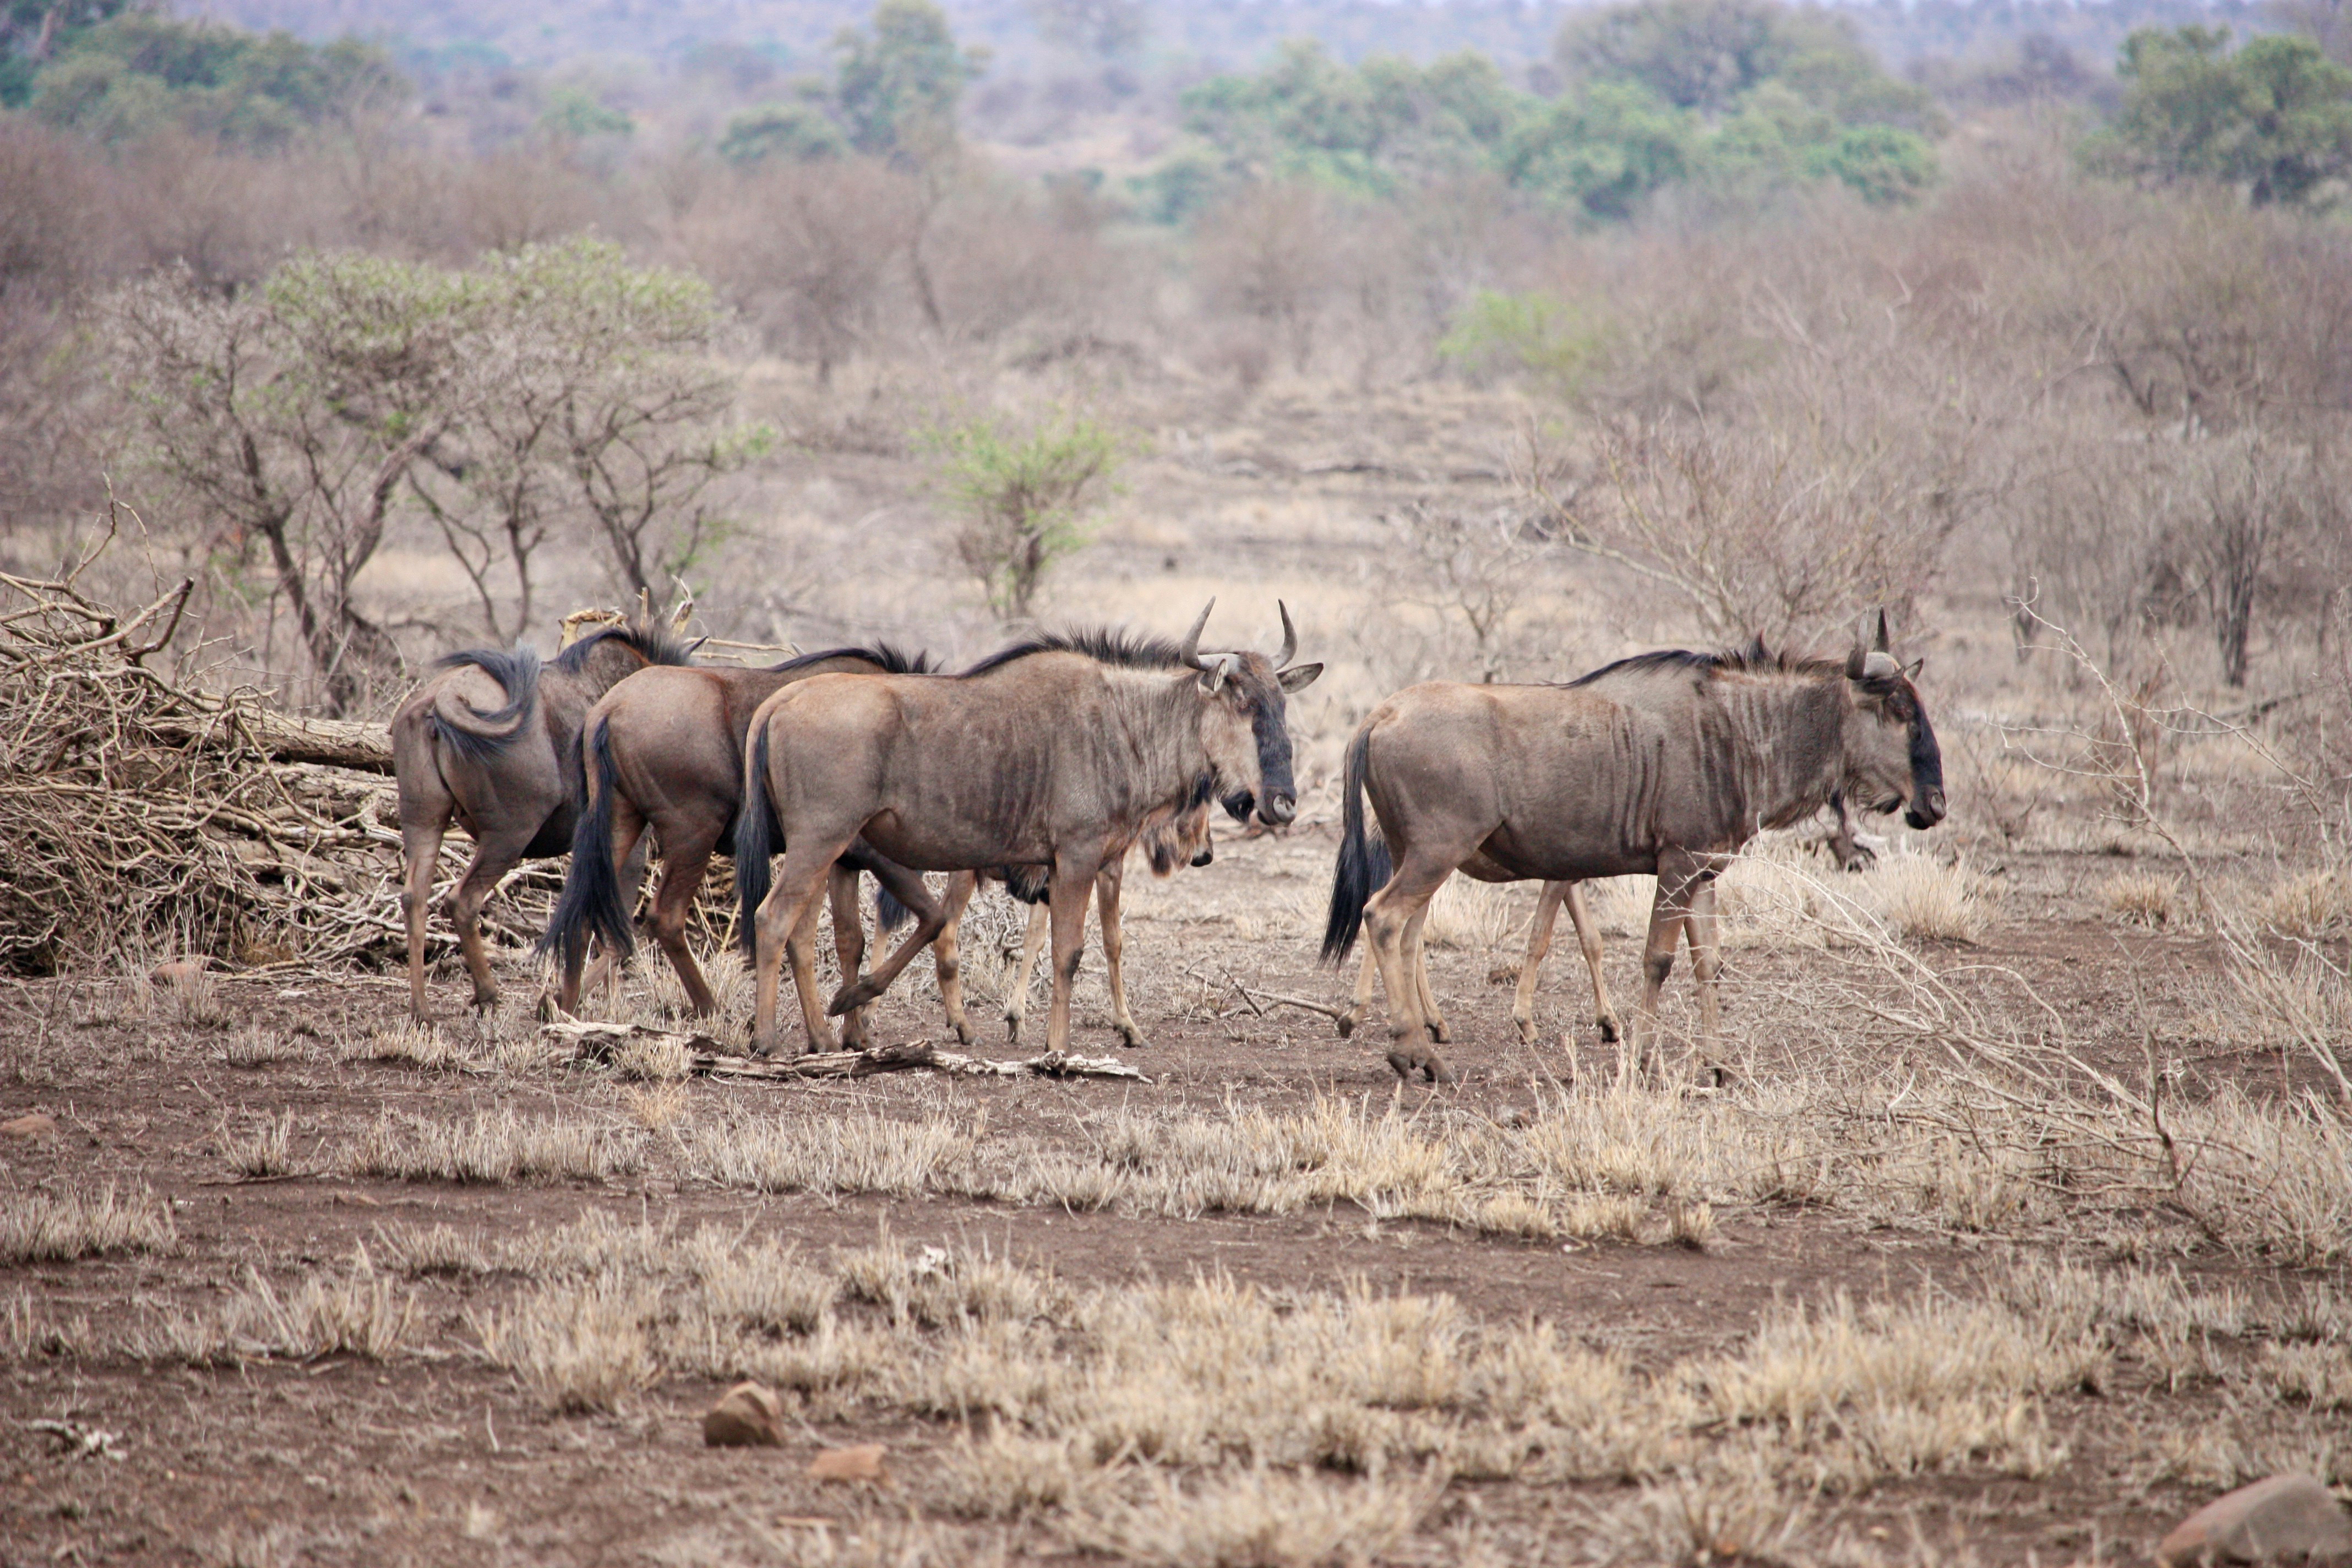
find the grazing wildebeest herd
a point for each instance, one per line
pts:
(1042, 766)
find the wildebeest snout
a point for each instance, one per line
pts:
(1927, 809)
(1277, 808)
(1206, 853)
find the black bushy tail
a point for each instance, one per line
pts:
(591, 902)
(889, 914)
(755, 840)
(1363, 864)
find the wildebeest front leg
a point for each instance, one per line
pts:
(930, 918)
(788, 908)
(1676, 877)
(1074, 883)
(947, 951)
(1016, 993)
(850, 950)
(420, 841)
(1107, 889)
(1588, 937)
(1368, 975)
(1706, 961)
(1417, 954)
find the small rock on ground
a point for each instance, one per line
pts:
(746, 1417)
(36, 1124)
(2285, 1519)
(861, 1463)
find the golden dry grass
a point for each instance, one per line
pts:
(61, 1226)
(2142, 898)
(577, 1345)
(494, 1146)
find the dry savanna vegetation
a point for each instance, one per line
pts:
(2021, 1223)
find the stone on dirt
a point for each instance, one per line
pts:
(747, 1415)
(862, 1462)
(2287, 1519)
(31, 1126)
(178, 971)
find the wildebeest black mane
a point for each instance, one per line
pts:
(1109, 645)
(892, 659)
(656, 642)
(1752, 659)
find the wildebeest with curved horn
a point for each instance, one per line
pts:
(1656, 680)
(491, 742)
(1051, 752)
(663, 750)
(1559, 783)
(1181, 838)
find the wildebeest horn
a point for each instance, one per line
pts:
(1192, 638)
(1881, 645)
(1289, 638)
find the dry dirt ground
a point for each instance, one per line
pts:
(1928, 1285)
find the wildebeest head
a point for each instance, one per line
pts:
(1891, 758)
(1243, 726)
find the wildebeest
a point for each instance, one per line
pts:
(663, 750)
(491, 741)
(1659, 680)
(1051, 752)
(1183, 838)
(1557, 782)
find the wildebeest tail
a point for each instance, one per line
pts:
(1363, 863)
(889, 914)
(591, 902)
(755, 840)
(466, 729)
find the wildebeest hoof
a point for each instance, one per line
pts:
(1609, 1031)
(1437, 1034)
(1405, 1064)
(1131, 1036)
(1527, 1028)
(1345, 1024)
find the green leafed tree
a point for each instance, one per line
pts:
(2273, 118)
(787, 132)
(900, 79)
(140, 72)
(574, 114)
(1025, 495)
(1604, 149)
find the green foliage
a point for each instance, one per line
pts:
(1604, 149)
(575, 115)
(140, 72)
(1528, 334)
(794, 132)
(33, 32)
(2275, 117)
(899, 85)
(1744, 96)
(1024, 497)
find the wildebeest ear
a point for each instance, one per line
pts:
(1911, 670)
(1299, 677)
(1215, 667)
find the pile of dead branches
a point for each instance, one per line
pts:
(139, 819)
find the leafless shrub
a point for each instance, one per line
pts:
(1265, 257)
(59, 1227)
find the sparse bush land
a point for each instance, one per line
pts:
(1496, 343)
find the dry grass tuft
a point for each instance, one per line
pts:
(495, 1146)
(656, 1107)
(254, 1047)
(431, 1249)
(421, 1046)
(1255, 1519)
(59, 1227)
(577, 1346)
(2307, 908)
(1924, 899)
(194, 992)
(267, 1149)
(360, 1313)
(1472, 915)
(860, 1153)
(26, 1331)
(2142, 898)
(656, 1060)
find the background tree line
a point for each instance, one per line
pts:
(2020, 319)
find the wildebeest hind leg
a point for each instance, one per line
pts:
(1417, 953)
(420, 842)
(1675, 876)
(790, 903)
(1707, 955)
(681, 879)
(931, 918)
(1588, 937)
(1386, 919)
(493, 858)
(1368, 975)
(849, 949)
(1523, 997)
